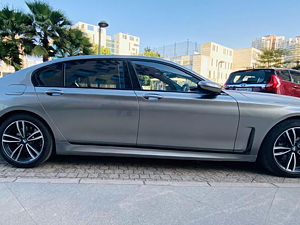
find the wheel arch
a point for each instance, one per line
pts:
(16, 112)
(284, 120)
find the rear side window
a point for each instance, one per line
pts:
(49, 76)
(284, 74)
(95, 74)
(250, 77)
(295, 76)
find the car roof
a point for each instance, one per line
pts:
(271, 68)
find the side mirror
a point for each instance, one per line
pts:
(209, 87)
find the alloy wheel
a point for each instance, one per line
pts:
(286, 150)
(22, 141)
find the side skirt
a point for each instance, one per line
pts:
(92, 150)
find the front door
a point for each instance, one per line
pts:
(174, 114)
(93, 104)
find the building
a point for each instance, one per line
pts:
(245, 58)
(26, 60)
(214, 61)
(268, 42)
(121, 44)
(221, 59)
(126, 44)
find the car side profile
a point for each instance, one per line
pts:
(271, 80)
(137, 106)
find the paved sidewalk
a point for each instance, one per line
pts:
(135, 203)
(144, 170)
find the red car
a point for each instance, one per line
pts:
(272, 80)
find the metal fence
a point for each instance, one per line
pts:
(178, 49)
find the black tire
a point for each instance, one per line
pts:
(34, 152)
(274, 159)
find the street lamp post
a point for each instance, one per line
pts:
(219, 70)
(101, 24)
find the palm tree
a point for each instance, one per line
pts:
(73, 43)
(14, 36)
(48, 25)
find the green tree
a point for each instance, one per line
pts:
(16, 40)
(48, 26)
(104, 50)
(272, 58)
(10, 54)
(148, 52)
(73, 43)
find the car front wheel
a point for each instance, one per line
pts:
(280, 151)
(25, 141)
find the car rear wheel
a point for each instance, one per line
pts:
(280, 151)
(25, 141)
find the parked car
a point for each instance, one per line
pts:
(277, 81)
(142, 107)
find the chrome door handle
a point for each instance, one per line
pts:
(54, 92)
(296, 87)
(152, 97)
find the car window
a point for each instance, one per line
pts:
(284, 74)
(49, 76)
(250, 77)
(295, 76)
(94, 73)
(160, 77)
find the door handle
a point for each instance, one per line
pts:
(152, 97)
(54, 92)
(296, 87)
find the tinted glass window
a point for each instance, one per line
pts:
(95, 74)
(284, 74)
(156, 76)
(49, 76)
(295, 76)
(250, 77)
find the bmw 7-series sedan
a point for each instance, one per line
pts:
(142, 107)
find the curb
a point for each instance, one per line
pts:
(147, 183)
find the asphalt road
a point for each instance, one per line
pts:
(137, 169)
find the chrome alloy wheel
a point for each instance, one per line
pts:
(22, 141)
(286, 150)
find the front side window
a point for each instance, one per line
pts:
(93, 73)
(284, 74)
(160, 77)
(295, 76)
(49, 76)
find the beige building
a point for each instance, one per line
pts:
(245, 58)
(220, 61)
(126, 44)
(122, 44)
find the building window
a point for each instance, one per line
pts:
(209, 74)
(137, 39)
(213, 48)
(91, 28)
(212, 62)
(124, 36)
(131, 38)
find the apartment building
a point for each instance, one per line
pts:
(121, 44)
(221, 60)
(214, 61)
(245, 58)
(268, 42)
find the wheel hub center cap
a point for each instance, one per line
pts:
(24, 141)
(294, 149)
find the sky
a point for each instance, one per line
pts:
(232, 23)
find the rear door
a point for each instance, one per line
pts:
(94, 104)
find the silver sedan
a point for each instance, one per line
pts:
(142, 107)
